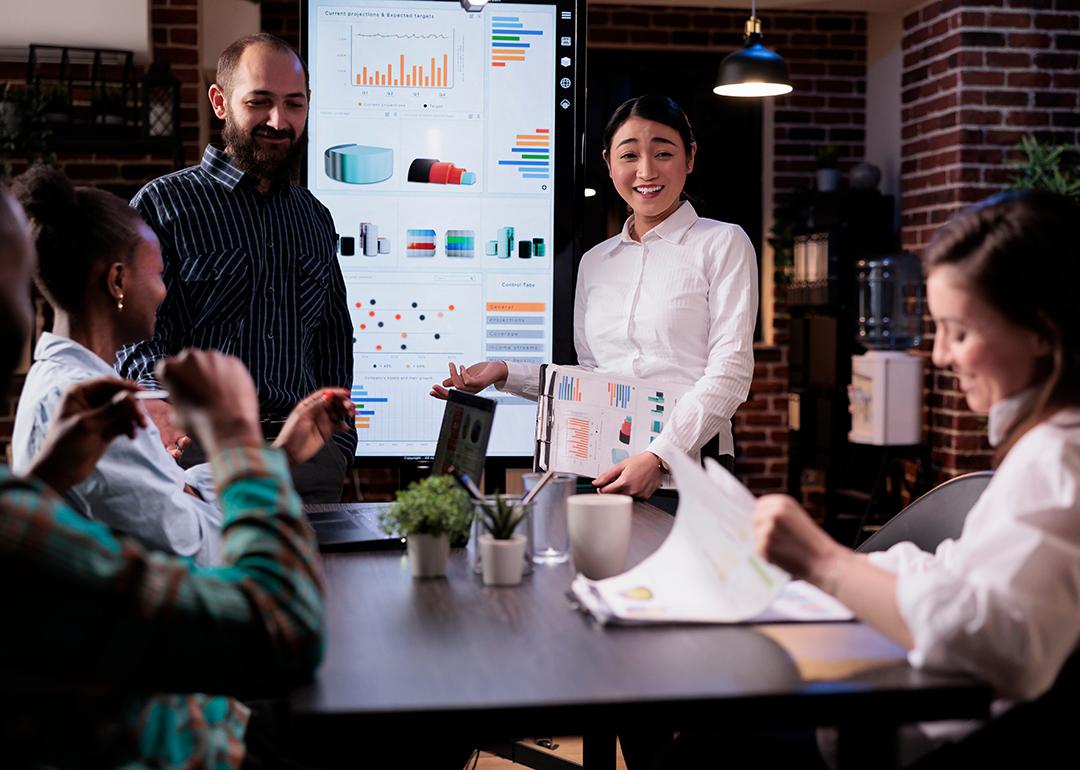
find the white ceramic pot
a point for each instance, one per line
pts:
(428, 555)
(502, 560)
(828, 179)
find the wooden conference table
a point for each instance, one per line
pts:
(410, 660)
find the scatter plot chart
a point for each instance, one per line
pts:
(424, 325)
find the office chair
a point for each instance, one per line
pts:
(1035, 734)
(936, 516)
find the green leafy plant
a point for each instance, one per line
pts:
(109, 100)
(1054, 168)
(432, 506)
(24, 133)
(55, 98)
(827, 156)
(501, 516)
(791, 213)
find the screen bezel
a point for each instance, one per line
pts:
(568, 225)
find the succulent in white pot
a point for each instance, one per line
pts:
(502, 549)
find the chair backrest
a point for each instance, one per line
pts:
(934, 517)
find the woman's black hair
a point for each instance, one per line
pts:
(1020, 253)
(77, 230)
(660, 109)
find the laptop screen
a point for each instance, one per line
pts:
(463, 438)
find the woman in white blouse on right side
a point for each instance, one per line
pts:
(673, 297)
(1002, 601)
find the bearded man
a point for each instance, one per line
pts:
(250, 259)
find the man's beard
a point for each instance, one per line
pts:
(265, 162)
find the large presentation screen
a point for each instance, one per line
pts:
(434, 139)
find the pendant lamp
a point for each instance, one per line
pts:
(754, 70)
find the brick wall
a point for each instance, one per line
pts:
(978, 76)
(826, 56)
(282, 18)
(175, 34)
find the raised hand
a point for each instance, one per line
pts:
(638, 476)
(90, 415)
(214, 397)
(472, 380)
(313, 421)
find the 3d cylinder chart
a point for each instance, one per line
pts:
(435, 171)
(359, 163)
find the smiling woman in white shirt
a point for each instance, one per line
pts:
(672, 297)
(1002, 601)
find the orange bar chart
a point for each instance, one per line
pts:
(435, 73)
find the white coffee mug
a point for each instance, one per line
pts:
(599, 533)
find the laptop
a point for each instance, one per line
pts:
(463, 442)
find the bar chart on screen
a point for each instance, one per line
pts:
(396, 410)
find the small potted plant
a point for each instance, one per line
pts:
(55, 102)
(502, 550)
(828, 173)
(109, 105)
(429, 513)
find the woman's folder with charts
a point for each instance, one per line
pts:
(588, 421)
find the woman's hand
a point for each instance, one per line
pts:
(785, 535)
(90, 415)
(172, 437)
(638, 476)
(313, 421)
(472, 380)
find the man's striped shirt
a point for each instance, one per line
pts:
(250, 274)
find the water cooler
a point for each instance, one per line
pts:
(885, 394)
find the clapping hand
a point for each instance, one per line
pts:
(90, 415)
(313, 421)
(214, 397)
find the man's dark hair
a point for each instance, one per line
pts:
(230, 58)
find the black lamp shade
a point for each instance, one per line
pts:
(753, 70)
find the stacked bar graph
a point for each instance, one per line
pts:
(510, 41)
(420, 243)
(619, 395)
(461, 243)
(579, 430)
(531, 154)
(569, 389)
(403, 60)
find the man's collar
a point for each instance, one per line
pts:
(220, 167)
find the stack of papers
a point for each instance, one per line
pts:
(706, 571)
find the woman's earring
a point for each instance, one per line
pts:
(120, 303)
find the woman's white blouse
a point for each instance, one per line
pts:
(1003, 600)
(678, 307)
(136, 487)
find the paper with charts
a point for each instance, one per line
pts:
(706, 570)
(589, 421)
